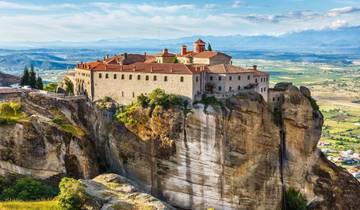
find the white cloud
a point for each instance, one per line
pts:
(338, 24)
(344, 10)
(101, 20)
(237, 4)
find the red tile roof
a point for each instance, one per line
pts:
(199, 41)
(209, 54)
(166, 68)
(227, 69)
(125, 59)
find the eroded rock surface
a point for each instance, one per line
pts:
(239, 156)
(112, 192)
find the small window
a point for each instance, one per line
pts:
(139, 77)
(239, 77)
(197, 79)
(239, 87)
(114, 76)
(146, 77)
(255, 80)
(165, 78)
(181, 79)
(219, 88)
(106, 76)
(230, 78)
(219, 78)
(248, 77)
(130, 77)
(211, 78)
(122, 93)
(278, 98)
(122, 76)
(155, 78)
(133, 95)
(264, 89)
(100, 75)
(230, 89)
(273, 98)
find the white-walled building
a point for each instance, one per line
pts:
(189, 74)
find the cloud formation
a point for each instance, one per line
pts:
(104, 20)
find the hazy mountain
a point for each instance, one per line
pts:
(328, 45)
(7, 79)
(333, 39)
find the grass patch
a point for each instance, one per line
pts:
(29, 205)
(10, 113)
(67, 126)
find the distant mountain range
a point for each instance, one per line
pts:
(345, 38)
(7, 79)
(340, 45)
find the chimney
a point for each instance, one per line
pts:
(255, 67)
(151, 69)
(183, 50)
(134, 68)
(171, 69)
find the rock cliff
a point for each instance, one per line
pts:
(241, 155)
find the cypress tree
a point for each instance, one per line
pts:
(25, 77)
(39, 83)
(209, 47)
(32, 77)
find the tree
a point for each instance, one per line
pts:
(209, 47)
(69, 87)
(39, 84)
(72, 194)
(25, 77)
(32, 77)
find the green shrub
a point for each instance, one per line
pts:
(10, 112)
(295, 200)
(72, 194)
(157, 98)
(26, 189)
(51, 87)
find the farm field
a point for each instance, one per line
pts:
(336, 87)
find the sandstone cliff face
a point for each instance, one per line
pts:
(241, 156)
(40, 148)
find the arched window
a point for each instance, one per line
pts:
(165, 78)
(114, 76)
(139, 77)
(100, 75)
(155, 78)
(106, 76)
(181, 79)
(130, 77)
(146, 77)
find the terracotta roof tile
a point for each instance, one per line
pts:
(227, 69)
(209, 54)
(166, 68)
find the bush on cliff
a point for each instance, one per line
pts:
(157, 98)
(10, 112)
(72, 194)
(295, 200)
(25, 189)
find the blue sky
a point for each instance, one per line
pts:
(83, 20)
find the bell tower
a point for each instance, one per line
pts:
(199, 46)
